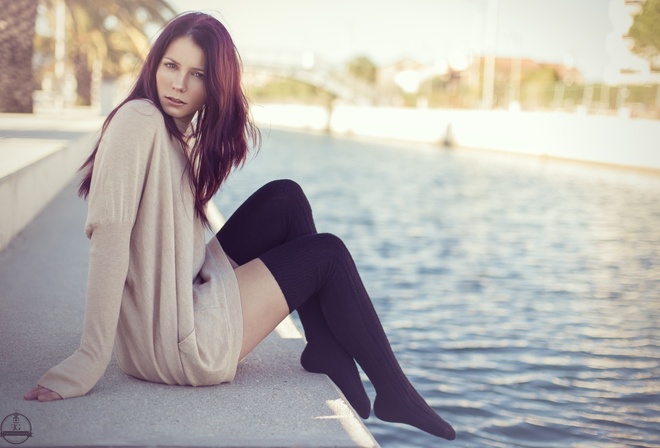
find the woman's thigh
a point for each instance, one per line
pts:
(274, 214)
(263, 304)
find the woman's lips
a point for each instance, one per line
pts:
(174, 101)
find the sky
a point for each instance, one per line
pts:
(580, 33)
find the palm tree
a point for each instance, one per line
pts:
(98, 30)
(16, 48)
(112, 34)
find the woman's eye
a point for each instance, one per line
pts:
(170, 65)
(198, 75)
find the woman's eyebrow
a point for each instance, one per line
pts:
(173, 60)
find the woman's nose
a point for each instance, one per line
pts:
(179, 83)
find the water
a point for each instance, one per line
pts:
(521, 296)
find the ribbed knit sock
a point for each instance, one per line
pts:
(321, 265)
(277, 213)
(324, 354)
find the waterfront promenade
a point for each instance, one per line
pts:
(43, 268)
(520, 293)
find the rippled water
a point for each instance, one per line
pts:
(521, 296)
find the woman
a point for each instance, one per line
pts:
(180, 311)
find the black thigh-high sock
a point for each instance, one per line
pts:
(320, 265)
(276, 213)
(324, 354)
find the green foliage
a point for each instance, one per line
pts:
(115, 33)
(288, 90)
(362, 68)
(544, 75)
(645, 31)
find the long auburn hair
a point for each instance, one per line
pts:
(223, 126)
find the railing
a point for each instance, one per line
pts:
(308, 68)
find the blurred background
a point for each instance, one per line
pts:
(592, 56)
(520, 291)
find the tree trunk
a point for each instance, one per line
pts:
(83, 79)
(17, 27)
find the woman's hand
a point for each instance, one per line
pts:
(42, 394)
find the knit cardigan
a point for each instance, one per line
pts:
(167, 301)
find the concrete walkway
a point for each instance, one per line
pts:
(272, 402)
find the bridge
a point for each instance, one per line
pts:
(309, 69)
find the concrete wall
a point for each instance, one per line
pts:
(28, 184)
(614, 140)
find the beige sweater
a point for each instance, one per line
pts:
(167, 301)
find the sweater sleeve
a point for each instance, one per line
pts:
(120, 168)
(108, 265)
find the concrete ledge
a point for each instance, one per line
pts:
(47, 166)
(272, 401)
(34, 170)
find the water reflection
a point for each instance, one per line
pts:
(522, 296)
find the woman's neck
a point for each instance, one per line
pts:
(183, 125)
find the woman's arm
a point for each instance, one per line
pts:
(108, 266)
(76, 375)
(119, 171)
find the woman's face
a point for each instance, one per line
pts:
(180, 80)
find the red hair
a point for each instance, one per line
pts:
(223, 126)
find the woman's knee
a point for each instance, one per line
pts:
(333, 246)
(283, 188)
(287, 196)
